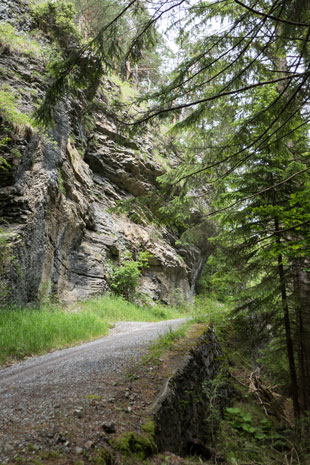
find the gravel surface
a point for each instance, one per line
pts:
(39, 393)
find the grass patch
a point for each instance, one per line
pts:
(127, 91)
(116, 308)
(9, 108)
(188, 334)
(165, 342)
(18, 42)
(205, 311)
(26, 332)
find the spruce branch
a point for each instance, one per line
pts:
(266, 15)
(266, 189)
(217, 96)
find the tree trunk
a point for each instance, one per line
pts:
(287, 326)
(302, 296)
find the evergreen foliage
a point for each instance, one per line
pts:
(253, 153)
(57, 21)
(86, 61)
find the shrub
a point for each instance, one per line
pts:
(57, 20)
(125, 279)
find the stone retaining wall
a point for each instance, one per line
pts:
(187, 411)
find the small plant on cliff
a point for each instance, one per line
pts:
(9, 108)
(125, 279)
(57, 20)
(4, 165)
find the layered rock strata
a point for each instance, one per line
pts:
(57, 193)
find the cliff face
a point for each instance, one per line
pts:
(59, 236)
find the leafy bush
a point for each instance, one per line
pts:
(125, 279)
(254, 429)
(247, 436)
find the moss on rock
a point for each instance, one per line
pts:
(149, 427)
(104, 457)
(135, 444)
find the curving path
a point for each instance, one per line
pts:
(32, 393)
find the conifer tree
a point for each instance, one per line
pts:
(254, 150)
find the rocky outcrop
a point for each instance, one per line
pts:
(57, 194)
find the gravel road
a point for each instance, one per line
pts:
(34, 391)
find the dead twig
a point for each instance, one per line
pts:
(267, 397)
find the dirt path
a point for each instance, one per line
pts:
(41, 396)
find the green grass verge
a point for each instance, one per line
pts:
(25, 332)
(165, 342)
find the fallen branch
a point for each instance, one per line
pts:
(267, 397)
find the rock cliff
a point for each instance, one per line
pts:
(59, 234)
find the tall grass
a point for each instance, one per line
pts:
(26, 332)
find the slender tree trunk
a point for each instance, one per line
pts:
(287, 326)
(302, 296)
(128, 70)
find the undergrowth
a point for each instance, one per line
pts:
(250, 432)
(29, 331)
